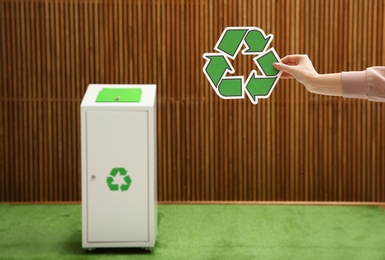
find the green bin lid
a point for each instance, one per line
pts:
(119, 95)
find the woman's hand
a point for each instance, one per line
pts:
(301, 68)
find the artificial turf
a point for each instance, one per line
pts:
(205, 232)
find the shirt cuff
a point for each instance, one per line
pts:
(354, 84)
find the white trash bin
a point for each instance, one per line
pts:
(118, 150)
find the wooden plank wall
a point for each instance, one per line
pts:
(294, 146)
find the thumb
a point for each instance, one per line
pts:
(283, 67)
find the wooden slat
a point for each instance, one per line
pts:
(3, 177)
(293, 146)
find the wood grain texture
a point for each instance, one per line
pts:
(294, 146)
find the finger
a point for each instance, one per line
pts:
(293, 59)
(290, 59)
(277, 65)
(283, 67)
(286, 76)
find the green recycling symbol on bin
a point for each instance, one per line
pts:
(256, 43)
(125, 179)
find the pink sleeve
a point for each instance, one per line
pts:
(368, 84)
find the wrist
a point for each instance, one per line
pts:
(313, 79)
(325, 84)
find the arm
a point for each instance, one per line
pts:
(367, 84)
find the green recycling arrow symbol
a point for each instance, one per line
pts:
(111, 182)
(256, 41)
(217, 65)
(229, 43)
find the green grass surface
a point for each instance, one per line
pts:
(205, 232)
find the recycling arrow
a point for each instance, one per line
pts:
(256, 41)
(265, 62)
(231, 86)
(230, 41)
(217, 65)
(259, 86)
(125, 186)
(117, 170)
(111, 184)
